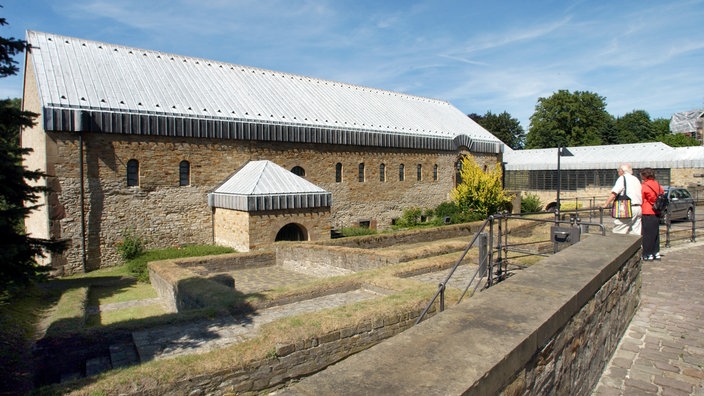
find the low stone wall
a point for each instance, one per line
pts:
(294, 360)
(184, 284)
(549, 329)
(311, 256)
(229, 262)
(405, 237)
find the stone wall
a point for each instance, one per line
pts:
(183, 284)
(687, 177)
(549, 329)
(293, 360)
(231, 228)
(405, 237)
(166, 214)
(352, 259)
(265, 225)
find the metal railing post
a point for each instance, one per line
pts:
(490, 274)
(694, 224)
(668, 224)
(442, 296)
(483, 253)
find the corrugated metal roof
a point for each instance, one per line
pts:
(104, 78)
(639, 155)
(264, 185)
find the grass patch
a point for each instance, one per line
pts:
(127, 291)
(19, 320)
(69, 313)
(125, 314)
(138, 266)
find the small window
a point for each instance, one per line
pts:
(298, 171)
(338, 173)
(184, 173)
(382, 173)
(361, 172)
(435, 172)
(365, 223)
(419, 172)
(401, 173)
(132, 173)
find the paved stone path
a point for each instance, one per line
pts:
(206, 335)
(662, 351)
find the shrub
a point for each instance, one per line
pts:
(452, 211)
(410, 218)
(357, 231)
(480, 191)
(531, 203)
(131, 246)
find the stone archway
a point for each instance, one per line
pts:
(292, 232)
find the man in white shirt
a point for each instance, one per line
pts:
(631, 184)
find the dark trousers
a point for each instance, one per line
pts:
(651, 235)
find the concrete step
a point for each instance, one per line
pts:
(97, 365)
(123, 354)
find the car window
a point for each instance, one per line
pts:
(685, 194)
(674, 194)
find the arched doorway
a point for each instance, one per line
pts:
(292, 232)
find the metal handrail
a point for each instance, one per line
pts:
(442, 285)
(486, 263)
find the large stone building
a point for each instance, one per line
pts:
(145, 141)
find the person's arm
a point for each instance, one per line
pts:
(610, 199)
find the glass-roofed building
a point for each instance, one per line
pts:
(590, 171)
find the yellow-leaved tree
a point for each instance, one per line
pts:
(480, 192)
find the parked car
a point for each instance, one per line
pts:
(681, 206)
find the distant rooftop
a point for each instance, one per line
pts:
(639, 155)
(93, 86)
(686, 121)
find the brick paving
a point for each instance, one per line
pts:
(662, 351)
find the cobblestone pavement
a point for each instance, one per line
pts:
(253, 280)
(662, 351)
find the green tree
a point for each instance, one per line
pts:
(678, 140)
(503, 126)
(480, 192)
(661, 127)
(635, 127)
(569, 119)
(18, 251)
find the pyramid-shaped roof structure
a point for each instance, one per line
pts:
(264, 185)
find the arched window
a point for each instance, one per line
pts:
(361, 172)
(419, 172)
(184, 173)
(132, 173)
(435, 172)
(382, 172)
(298, 171)
(338, 173)
(401, 173)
